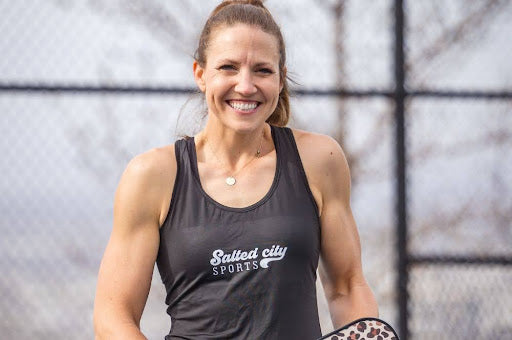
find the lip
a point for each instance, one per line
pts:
(241, 112)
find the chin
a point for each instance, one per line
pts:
(246, 127)
(242, 125)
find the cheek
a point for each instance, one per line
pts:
(273, 89)
(217, 85)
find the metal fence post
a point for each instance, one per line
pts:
(401, 208)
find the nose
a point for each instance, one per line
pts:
(245, 83)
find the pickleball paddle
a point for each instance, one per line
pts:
(363, 329)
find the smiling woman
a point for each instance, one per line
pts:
(240, 78)
(239, 217)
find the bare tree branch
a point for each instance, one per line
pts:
(463, 32)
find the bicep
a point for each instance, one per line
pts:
(125, 274)
(126, 269)
(328, 175)
(340, 262)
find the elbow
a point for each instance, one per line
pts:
(104, 326)
(110, 328)
(99, 333)
(336, 290)
(353, 292)
(113, 321)
(101, 329)
(106, 331)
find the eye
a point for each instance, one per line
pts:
(266, 71)
(227, 67)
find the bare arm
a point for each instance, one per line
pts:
(126, 269)
(348, 294)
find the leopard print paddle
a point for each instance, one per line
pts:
(363, 329)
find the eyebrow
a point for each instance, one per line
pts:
(229, 61)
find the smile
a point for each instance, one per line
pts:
(243, 105)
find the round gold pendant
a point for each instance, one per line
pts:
(230, 181)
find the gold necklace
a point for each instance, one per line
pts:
(231, 180)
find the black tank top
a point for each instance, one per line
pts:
(241, 273)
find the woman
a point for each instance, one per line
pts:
(238, 217)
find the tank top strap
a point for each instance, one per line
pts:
(292, 170)
(286, 146)
(182, 182)
(183, 163)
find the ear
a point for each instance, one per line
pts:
(281, 81)
(199, 76)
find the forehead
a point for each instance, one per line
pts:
(243, 41)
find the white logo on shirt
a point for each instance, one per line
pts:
(239, 260)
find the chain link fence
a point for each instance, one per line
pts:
(460, 218)
(66, 139)
(459, 171)
(460, 302)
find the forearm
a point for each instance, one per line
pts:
(356, 303)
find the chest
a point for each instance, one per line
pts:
(253, 182)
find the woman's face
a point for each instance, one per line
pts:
(240, 79)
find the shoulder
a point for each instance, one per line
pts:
(325, 165)
(315, 140)
(320, 151)
(148, 180)
(152, 165)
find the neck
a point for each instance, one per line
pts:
(231, 148)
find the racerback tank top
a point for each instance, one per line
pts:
(241, 273)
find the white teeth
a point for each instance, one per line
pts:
(243, 106)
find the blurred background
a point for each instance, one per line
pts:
(418, 93)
